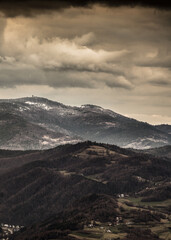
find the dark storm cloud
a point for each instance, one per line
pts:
(28, 7)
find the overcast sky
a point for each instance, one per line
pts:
(115, 57)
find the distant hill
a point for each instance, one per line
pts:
(38, 123)
(161, 152)
(38, 184)
(164, 128)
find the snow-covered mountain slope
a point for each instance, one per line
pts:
(38, 123)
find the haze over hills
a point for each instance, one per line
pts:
(161, 152)
(38, 123)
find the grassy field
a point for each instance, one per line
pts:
(98, 233)
(138, 202)
(162, 228)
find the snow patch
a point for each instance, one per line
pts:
(22, 109)
(66, 111)
(157, 140)
(110, 124)
(40, 105)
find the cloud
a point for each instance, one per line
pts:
(119, 82)
(86, 39)
(91, 48)
(162, 58)
(12, 77)
(161, 82)
(29, 7)
(2, 27)
(7, 60)
(63, 62)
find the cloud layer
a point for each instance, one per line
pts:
(120, 49)
(61, 63)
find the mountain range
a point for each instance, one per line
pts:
(37, 123)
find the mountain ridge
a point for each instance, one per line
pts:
(38, 123)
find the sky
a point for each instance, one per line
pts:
(115, 54)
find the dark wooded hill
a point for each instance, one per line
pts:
(46, 182)
(92, 217)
